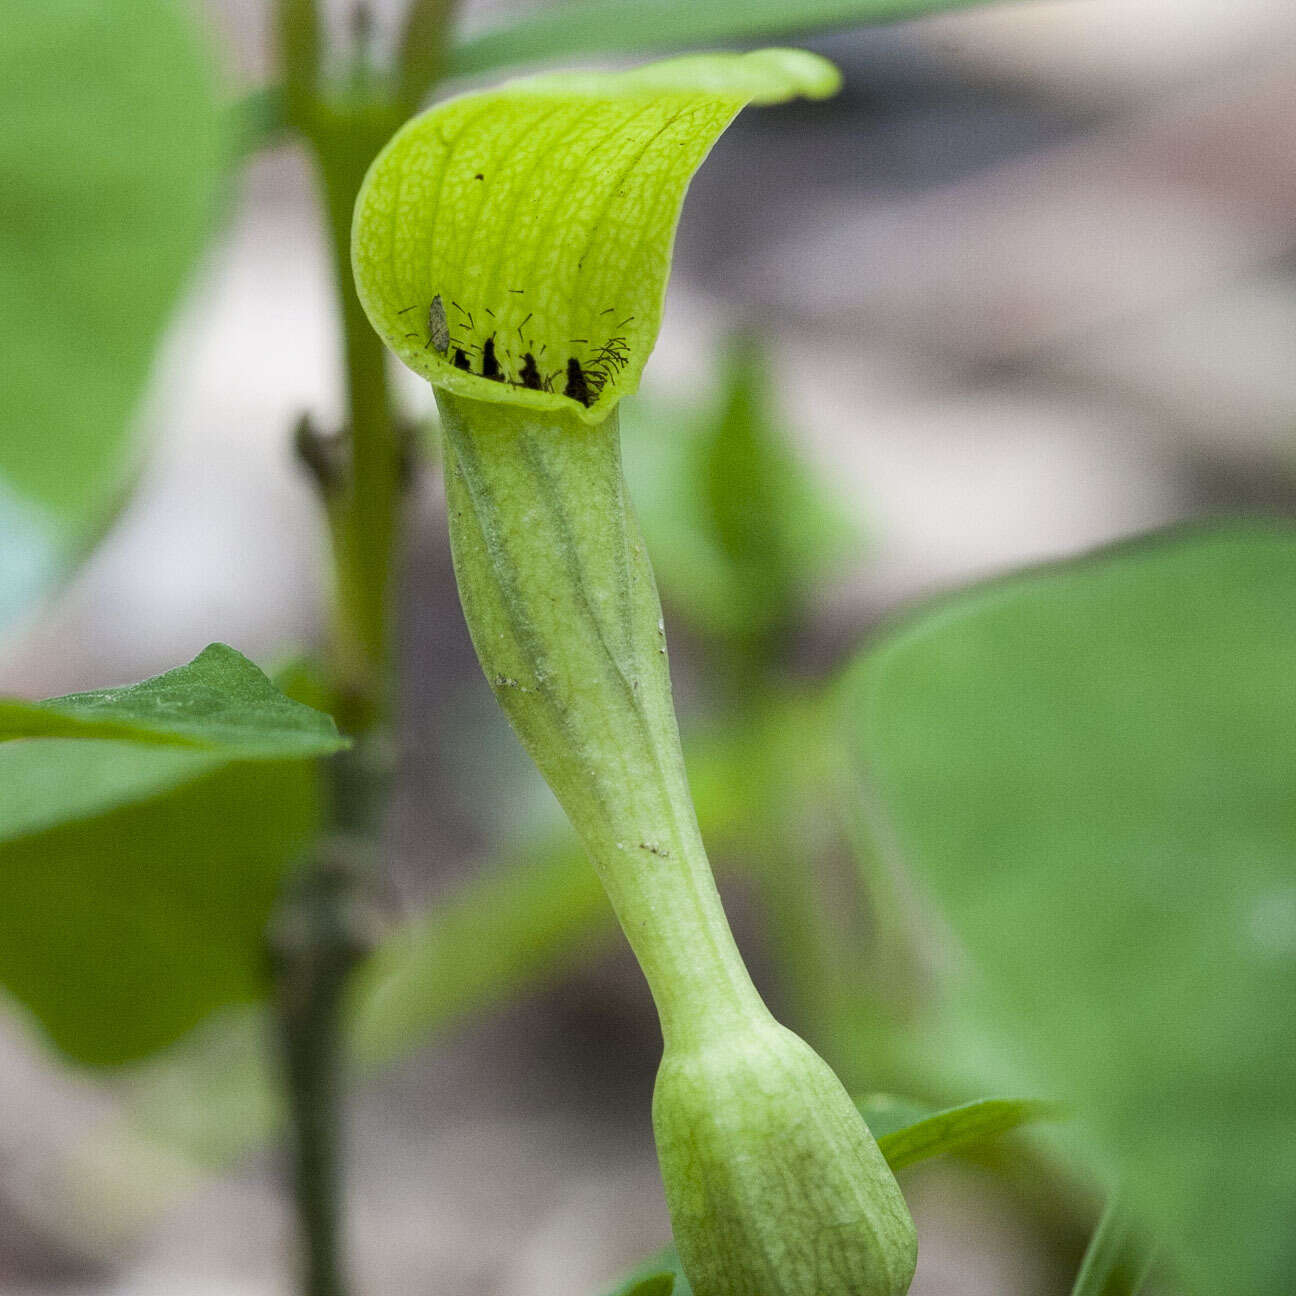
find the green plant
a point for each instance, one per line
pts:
(773, 1180)
(1087, 769)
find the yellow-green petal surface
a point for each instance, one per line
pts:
(537, 220)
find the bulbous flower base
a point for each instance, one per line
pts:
(775, 1185)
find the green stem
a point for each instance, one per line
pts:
(344, 128)
(421, 53)
(299, 43)
(365, 516)
(314, 946)
(362, 505)
(774, 1184)
(564, 613)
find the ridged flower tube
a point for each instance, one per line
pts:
(774, 1183)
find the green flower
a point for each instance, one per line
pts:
(514, 245)
(513, 248)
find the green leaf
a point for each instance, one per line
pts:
(525, 921)
(110, 150)
(300, 45)
(1092, 769)
(663, 1275)
(738, 526)
(220, 702)
(56, 781)
(565, 31)
(658, 1284)
(775, 525)
(257, 120)
(421, 50)
(121, 929)
(1118, 1260)
(661, 443)
(959, 1128)
(501, 933)
(140, 861)
(885, 1113)
(514, 245)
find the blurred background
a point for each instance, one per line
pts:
(1027, 285)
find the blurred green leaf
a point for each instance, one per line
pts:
(511, 928)
(137, 875)
(257, 120)
(959, 1128)
(885, 1113)
(110, 153)
(1118, 1260)
(212, 1096)
(220, 701)
(739, 528)
(658, 1284)
(1092, 769)
(519, 925)
(777, 528)
(661, 442)
(299, 47)
(122, 928)
(660, 1276)
(568, 31)
(421, 50)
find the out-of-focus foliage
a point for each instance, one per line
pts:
(663, 1275)
(660, 1284)
(256, 121)
(774, 525)
(886, 1112)
(138, 869)
(1118, 1259)
(1091, 767)
(610, 26)
(959, 1128)
(110, 152)
(512, 928)
(524, 922)
(739, 529)
(519, 925)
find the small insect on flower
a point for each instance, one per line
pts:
(529, 376)
(438, 328)
(577, 387)
(490, 365)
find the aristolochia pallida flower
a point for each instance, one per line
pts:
(513, 248)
